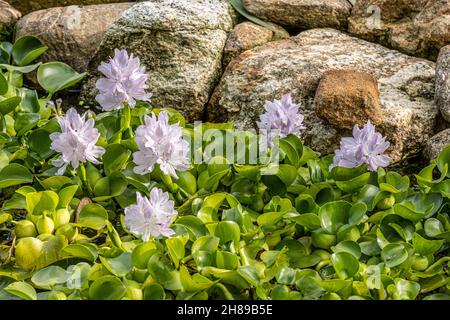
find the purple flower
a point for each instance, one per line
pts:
(76, 141)
(151, 217)
(125, 82)
(366, 146)
(281, 118)
(161, 143)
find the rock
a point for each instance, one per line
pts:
(27, 6)
(181, 44)
(345, 98)
(436, 144)
(443, 82)
(73, 34)
(296, 66)
(304, 14)
(415, 27)
(245, 36)
(8, 15)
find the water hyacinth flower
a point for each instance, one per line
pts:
(281, 118)
(125, 82)
(151, 217)
(161, 143)
(366, 146)
(76, 142)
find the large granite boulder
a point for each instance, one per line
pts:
(415, 27)
(181, 44)
(443, 82)
(8, 15)
(27, 6)
(436, 144)
(304, 14)
(73, 34)
(296, 66)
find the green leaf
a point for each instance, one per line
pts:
(26, 49)
(404, 289)
(8, 105)
(120, 265)
(57, 76)
(14, 174)
(25, 69)
(228, 231)
(424, 246)
(110, 187)
(93, 216)
(107, 288)
(39, 202)
(394, 254)
(333, 215)
(142, 253)
(115, 158)
(84, 251)
(307, 220)
(24, 122)
(51, 250)
(22, 290)
(154, 291)
(39, 142)
(345, 264)
(176, 249)
(193, 225)
(163, 273)
(443, 160)
(50, 276)
(3, 85)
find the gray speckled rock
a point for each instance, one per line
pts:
(73, 34)
(8, 15)
(305, 14)
(296, 66)
(180, 42)
(27, 6)
(436, 144)
(443, 82)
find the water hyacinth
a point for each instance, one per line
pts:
(366, 146)
(76, 142)
(281, 118)
(161, 143)
(125, 82)
(151, 217)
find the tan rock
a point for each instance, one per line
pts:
(245, 36)
(305, 14)
(297, 64)
(8, 15)
(415, 27)
(345, 98)
(27, 6)
(442, 94)
(73, 34)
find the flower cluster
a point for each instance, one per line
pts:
(366, 146)
(281, 118)
(76, 142)
(151, 217)
(161, 143)
(125, 82)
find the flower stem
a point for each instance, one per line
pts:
(167, 180)
(83, 176)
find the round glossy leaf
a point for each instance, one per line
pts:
(93, 216)
(394, 254)
(228, 231)
(22, 290)
(115, 158)
(345, 264)
(333, 215)
(49, 277)
(14, 174)
(24, 122)
(26, 49)
(8, 105)
(56, 76)
(154, 291)
(424, 246)
(85, 251)
(39, 142)
(107, 288)
(142, 253)
(119, 265)
(348, 246)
